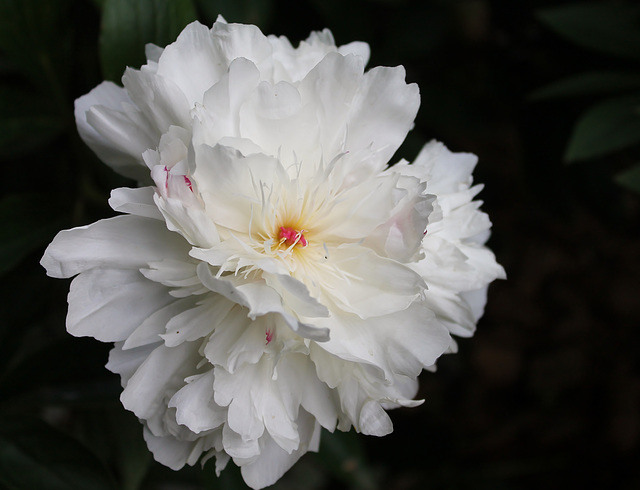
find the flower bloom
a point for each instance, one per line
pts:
(272, 275)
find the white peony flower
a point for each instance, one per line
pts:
(272, 275)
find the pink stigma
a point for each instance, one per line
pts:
(188, 182)
(292, 237)
(268, 336)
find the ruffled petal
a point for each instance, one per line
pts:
(275, 461)
(199, 57)
(194, 404)
(163, 372)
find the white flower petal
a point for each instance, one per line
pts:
(261, 300)
(238, 447)
(111, 313)
(381, 115)
(160, 375)
(194, 404)
(236, 340)
(219, 118)
(114, 153)
(173, 452)
(330, 88)
(416, 342)
(300, 387)
(126, 362)
(275, 461)
(359, 210)
(374, 420)
(357, 48)
(275, 110)
(151, 329)
(197, 322)
(138, 202)
(101, 245)
(129, 133)
(374, 285)
(199, 57)
(223, 174)
(476, 300)
(162, 102)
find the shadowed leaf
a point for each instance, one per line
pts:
(610, 28)
(606, 127)
(588, 84)
(630, 178)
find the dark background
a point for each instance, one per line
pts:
(546, 394)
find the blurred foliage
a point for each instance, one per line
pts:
(517, 407)
(612, 124)
(128, 25)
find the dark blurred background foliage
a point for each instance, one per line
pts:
(547, 94)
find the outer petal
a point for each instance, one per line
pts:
(175, 452)
(137, 201)
(161, 101)
(299, 386)
(109, 304)
(101, 245)
(402, 343)
(380, 116)
(121, 155)
(275, 461)
(160, 375)
(446, 172)
(194, 404)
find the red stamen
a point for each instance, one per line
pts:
(292, 237)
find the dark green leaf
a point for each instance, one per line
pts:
(256, 12)
(588, 84)
(27, 222)
(33, 456)
(630, 178)
(128, 25)
(606, 127)
(610, 28)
